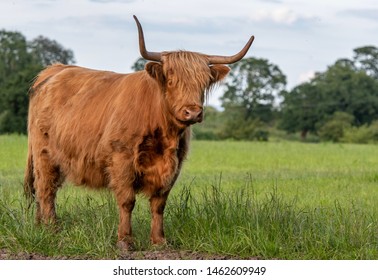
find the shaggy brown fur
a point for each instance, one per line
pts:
(127, 132)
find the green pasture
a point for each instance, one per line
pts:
(271, 200)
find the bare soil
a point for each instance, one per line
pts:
(133, 255)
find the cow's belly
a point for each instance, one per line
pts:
(82, 169)
(91, 176)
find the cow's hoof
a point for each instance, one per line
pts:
(160, 244)
(54, 225)
(125, 245)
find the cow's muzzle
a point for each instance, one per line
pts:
(192, 114)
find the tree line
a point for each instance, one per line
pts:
(339, 104)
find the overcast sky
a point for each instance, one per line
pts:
(301, 37)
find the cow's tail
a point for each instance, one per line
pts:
(29, 189)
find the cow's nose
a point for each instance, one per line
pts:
(193, 114)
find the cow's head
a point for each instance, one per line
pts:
(186, 77)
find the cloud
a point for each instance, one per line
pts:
(369, 14)
(284, 15)
(199, 26)
(280, 15)
(111, 1)
(272, 1)
(306, 76)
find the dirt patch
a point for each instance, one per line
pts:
(135, 255)
(174, 255)
(6, 255)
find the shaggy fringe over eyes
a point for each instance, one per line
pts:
(191, 67)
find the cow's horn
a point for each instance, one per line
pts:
(217, 59)
(154, 56)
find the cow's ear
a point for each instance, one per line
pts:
(219, 72)
(155, 70)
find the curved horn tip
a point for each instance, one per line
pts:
(154, 56)
(252, 39)
(136, 19)
(249, 43)
(216, 59)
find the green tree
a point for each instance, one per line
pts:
(238, 128)
(334, 128)
(139, 64)
(366, 59)
(14, 54)
(253, 86)
(45, 52)
(345, 89)
(346, 86)
(210, 128)
(15, 101)
(20, 62)
(300, 110)
(250, 93)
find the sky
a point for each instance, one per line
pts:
(301, 37)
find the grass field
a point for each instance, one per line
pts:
(284, 200)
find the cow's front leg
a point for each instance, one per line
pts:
(157, 205)
(126, 202)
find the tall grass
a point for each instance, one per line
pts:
(265, 200)
(239, 224)
(236, 224)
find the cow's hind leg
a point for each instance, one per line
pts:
(47, 181)
(157, 206)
